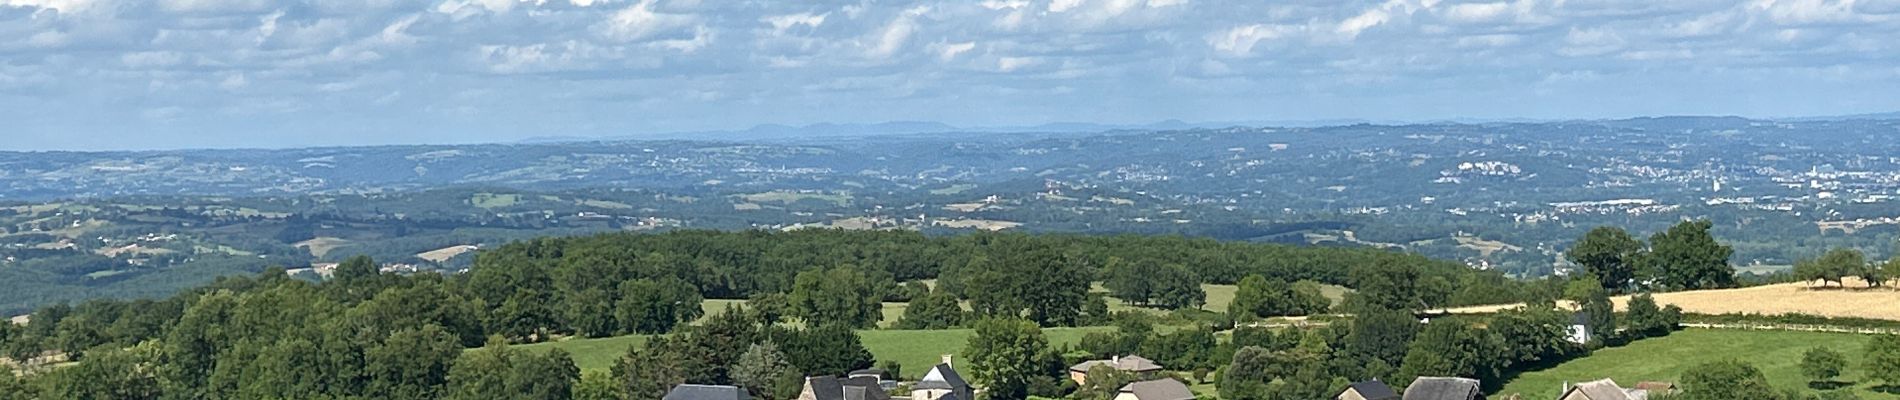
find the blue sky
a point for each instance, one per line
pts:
(135, 74)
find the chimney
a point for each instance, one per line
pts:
(946, 360)
(1117, 360)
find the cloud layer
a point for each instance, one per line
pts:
(224, 73)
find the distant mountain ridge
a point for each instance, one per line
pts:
(781, 132)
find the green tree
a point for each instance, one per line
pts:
(1177, 287)
(498, 371)
(1130, 281)
(652, 307)
(1602, 315)
(1646, 320)
(1379, 339)
(933, 310)
(648, 373)
(545, 376)
(1103, 383)
(598, 385)
(836, 296)
(826, 350)
(411, 364)
(13, 387)
(1388, 285)
(1449, 348)
(1882, 359)
(109, 375)
(1834, 266)
(1821, 364)
(1003, 354)
(1876, 274)
(1686, 256)
(1609, 254)
(590, 312)
(1246, 377)
(1727, 380)
(763, 371)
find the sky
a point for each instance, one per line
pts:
(160, 74)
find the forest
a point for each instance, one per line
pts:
(366, 334)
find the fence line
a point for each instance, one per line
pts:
(1794, 327)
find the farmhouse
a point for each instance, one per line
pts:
(1141, 367)
(1439, 388)
(942, 383)
(706, 392)
(1579, 328)
(1368, 390)
(1159, 389)
(1604, 389)
(833, 388)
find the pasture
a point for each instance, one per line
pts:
(1776, 353)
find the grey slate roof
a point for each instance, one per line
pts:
(706, 392)
(1159, 389)
(950, 379)
(1436, 388)
(833, 388)
(1599, 390)
(1374, 390)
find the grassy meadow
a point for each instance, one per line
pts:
(1776, 353)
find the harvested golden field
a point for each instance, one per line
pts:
(1855, 299)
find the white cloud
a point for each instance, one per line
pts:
(1004, 4)
(949, 51)
(1591, 42)
(1359, 23)
(639, 21)
(1011, 64)
(887, 41)
(1803, 12)
(1477, 12)
(64, 6)
(1058, 6)
(1241, 40)
(780, 23)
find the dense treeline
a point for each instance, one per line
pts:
(366, 334)
(560, 284)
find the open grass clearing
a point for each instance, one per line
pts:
(1776, 353)
(493, 200)
(1218, 297)
(320, 246)
(790, 197)
(952, 189)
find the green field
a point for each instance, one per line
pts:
(592, 354)
(1218, 297)
(1776, 353)
(915, 350)
(788, 197)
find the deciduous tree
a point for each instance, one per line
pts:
(1608, 253)
(1686, 256)
(1821, 364)
(1882, 359)
(1003, 354)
